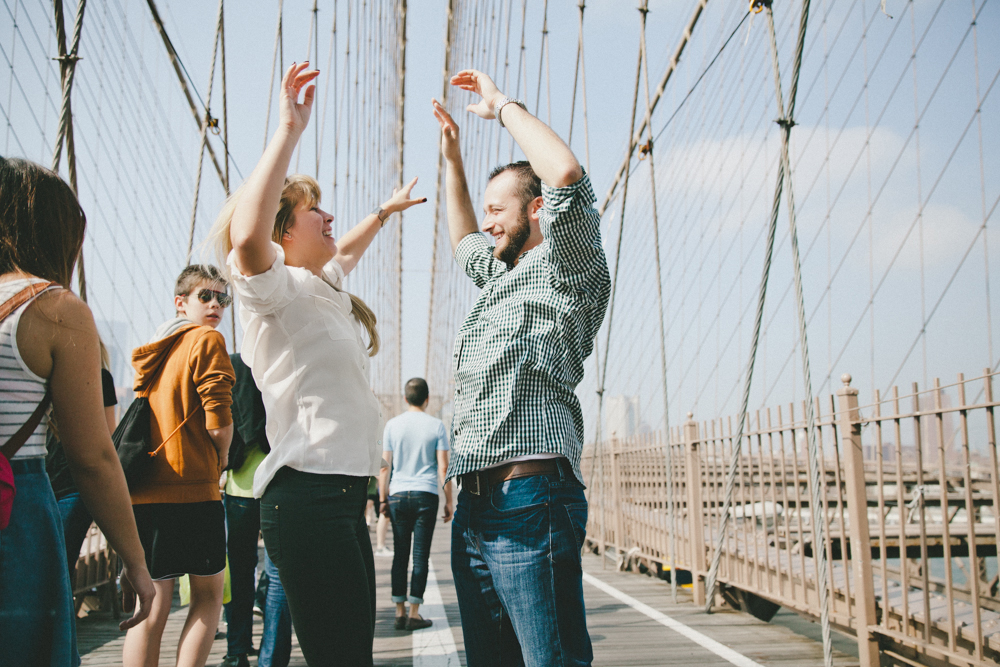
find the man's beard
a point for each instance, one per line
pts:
(516, 238)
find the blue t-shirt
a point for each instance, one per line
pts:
(414, 438)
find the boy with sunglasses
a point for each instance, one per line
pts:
(186, 373)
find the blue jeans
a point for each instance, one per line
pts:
(276, 642)
(76, 522)
(413, 514)
(515, 557)
(37, 619)
(242, 530)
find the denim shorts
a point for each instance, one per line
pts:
(37, 619)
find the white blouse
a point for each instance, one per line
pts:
(309, 359)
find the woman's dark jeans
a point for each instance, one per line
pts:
(242, 526)
(413, 514)
(315, 533)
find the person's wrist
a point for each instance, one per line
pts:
(135, 567)
(496, 98)
(289, 132)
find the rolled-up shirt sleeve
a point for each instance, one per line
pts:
(333, 272)
(268, 291)
(572, 227)
(213, 375)
(475, 255)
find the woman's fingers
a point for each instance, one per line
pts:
(297, 76)
(139, 593)
(307, 99)
(303, 78)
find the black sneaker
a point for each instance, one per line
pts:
(240, 660)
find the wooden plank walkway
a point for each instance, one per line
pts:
(622, 634)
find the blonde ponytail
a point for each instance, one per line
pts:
(367, 318)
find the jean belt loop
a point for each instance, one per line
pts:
(561, 466)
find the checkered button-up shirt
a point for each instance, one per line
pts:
(519, 354)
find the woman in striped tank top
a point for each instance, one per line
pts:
(50, 343)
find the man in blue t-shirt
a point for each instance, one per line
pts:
(416, 449)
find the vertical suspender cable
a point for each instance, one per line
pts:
(225, 103)
(225, 142)
(671, 514)
(818, 499)
(522, 64)
(67, 68)
(204, 133)
(786, 121)
(401, 106)
(315, 63)
(313, 29)
(602, 376)
(671, 68)
(175, 61)
(274, 66)
(576, 77)
(336, 109)
(448, 33)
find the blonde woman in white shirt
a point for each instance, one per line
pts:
(308, 342)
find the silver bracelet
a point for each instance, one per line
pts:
(504, 101)
(377, 212)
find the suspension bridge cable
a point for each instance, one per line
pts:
(671, 507)
(204, 132)
(400, 111)
(671, 68)
(899, 159)
(982, 185)
(274, 67)
(181, 72)
(67, 62)
(602, 378)
(436, 234)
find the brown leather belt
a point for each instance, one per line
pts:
(481, 482)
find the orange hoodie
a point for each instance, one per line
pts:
(188, 371)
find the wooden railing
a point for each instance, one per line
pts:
(910, 499)
(96, 568)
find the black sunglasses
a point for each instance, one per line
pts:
(206, 295)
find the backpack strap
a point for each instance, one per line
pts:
(17, 440)
(24, 296)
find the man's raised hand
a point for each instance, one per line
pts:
(476, 82)
(295, 115)
(450, 147)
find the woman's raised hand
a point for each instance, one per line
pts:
(400, 199)
(295, 115)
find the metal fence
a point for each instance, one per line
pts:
(910, 498)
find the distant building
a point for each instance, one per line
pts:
(622, 418)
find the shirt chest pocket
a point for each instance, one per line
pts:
(336, 319)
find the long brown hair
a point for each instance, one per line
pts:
(41, 222)
(299, 190)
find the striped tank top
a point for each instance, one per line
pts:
(20, 390)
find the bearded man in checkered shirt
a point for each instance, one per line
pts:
(517, 431)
